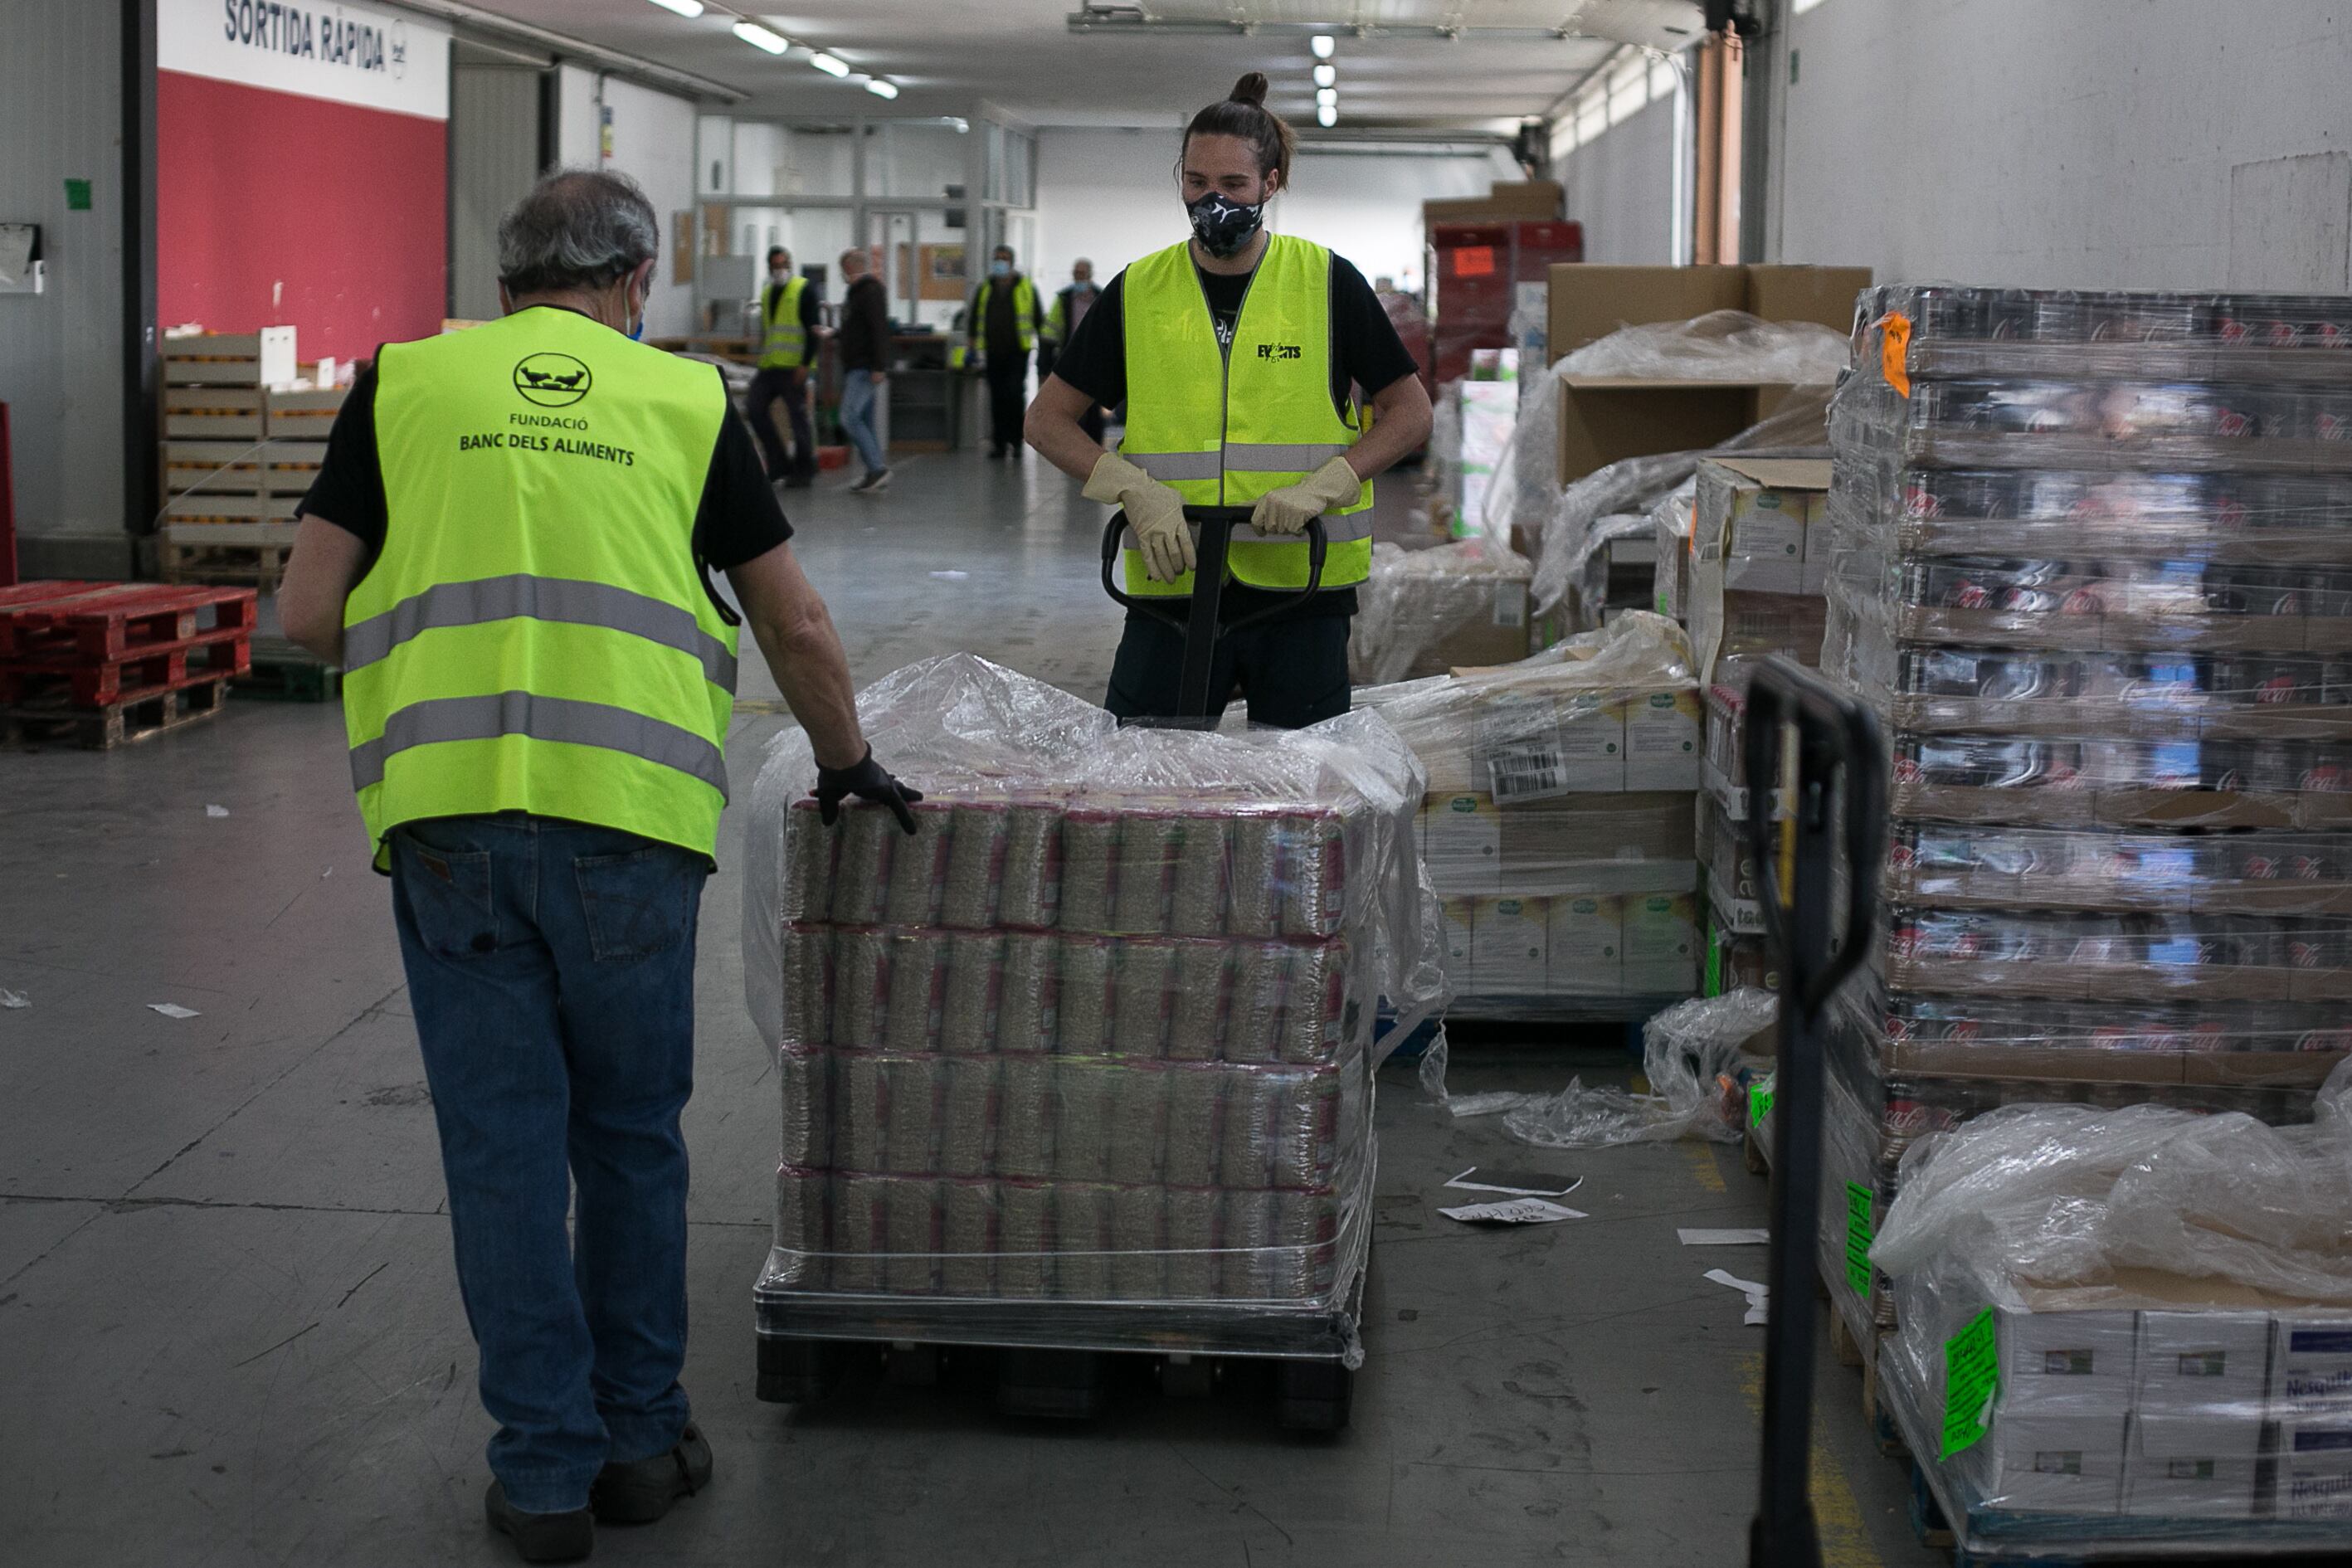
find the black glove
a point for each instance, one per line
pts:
(867, 781)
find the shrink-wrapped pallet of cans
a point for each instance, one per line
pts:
(1087, 1060)
(2092, 566)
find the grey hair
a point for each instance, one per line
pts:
(578, 229)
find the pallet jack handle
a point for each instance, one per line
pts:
(1838, 801)
(1199, 622)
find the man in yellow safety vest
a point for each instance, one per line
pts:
(1237, 355)
(507, 550)
(788, 329)
(1003, 327)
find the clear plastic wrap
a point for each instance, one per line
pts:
(1956, 333)
(2128, 1331)
(1603, 580)
(2144, 784)
(2024, 423)
(1427, 612)
(1100, 1033)
(2093, 957)
(1954, 865)
(1721, 345)
(1686, 1050)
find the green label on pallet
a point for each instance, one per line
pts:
(1971, 1376)
(1857, 1237)
(1759, 1099)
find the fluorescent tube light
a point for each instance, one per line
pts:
(758, 37)
(827, 64)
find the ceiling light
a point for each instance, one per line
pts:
(1323, 44)
(1326, 76)
(1326, 114)
(880, 89)
(828, 64)
(758, 37)
(1326, 95)
(683, 7)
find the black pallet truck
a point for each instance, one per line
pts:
(809, 1344)
(1836, 784)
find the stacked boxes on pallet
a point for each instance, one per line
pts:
(242, 442)
(2130, 1331)
(2094, 570)
(1100, 1032)
(1558, 823)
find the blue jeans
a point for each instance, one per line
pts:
(857, 394)
(551, 968)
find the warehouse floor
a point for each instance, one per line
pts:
(229, 1332)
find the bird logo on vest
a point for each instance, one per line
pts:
(551, 380)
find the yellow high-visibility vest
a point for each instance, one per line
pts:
(786, 344)
(537, 635)
(1223, 426)
(1024, 311)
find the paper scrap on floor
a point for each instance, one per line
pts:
(1519, 1211)
(14, 998)
(216, 811)
(1517, 1183)
(1758, 1236)
(172, 1010)
(1758, 1295)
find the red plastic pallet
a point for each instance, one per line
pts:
(91, 683)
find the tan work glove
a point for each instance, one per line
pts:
(1287, 510)
(1154, 511)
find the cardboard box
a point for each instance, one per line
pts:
(2193, 1467)
(1454, 916)
(1663, 732)
(1509, 946)
(2053, 1463)
(2206, 1365)
(2315, 1470)
(1504, 199)
(1603, 420)
(1753, 518)
(212, 413)
(2311, 1365)
(1661, 944)
(260, 359)
(1586, 937)
(2070, 1365)
(1473, 617)
(1567, 844)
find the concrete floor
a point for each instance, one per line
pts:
(229, 1332)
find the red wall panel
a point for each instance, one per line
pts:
(273, 208)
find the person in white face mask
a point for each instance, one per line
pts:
(1003, 325)
(788, 347)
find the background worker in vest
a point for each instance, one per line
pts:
(1256, 339)
(1070, 306)
(789, 321)
(1003, 324)
(507, 549)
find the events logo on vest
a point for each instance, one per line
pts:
(1280, 351)
(552, 380)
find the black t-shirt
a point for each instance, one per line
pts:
(737, 521)
(1365, 352)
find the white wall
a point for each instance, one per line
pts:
(653, 144)
(1621, 186)
(2084, 143)
(61, 350)
(1111, 196)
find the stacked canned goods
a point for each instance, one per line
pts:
(2092, 567)
(1086, 1047)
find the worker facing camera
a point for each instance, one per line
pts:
(1258, 344)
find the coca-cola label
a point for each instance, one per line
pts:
(2232, 423)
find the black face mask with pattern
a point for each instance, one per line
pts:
(1222, 224)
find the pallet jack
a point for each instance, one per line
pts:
(806, 1348)
(1836, 784)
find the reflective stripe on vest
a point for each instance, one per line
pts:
(535, 634)
(1024, 311)
(1225, 425)
(543, 599)
(786, 344)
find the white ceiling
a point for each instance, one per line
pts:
(949, 54)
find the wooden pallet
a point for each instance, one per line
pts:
(95, 622)
(132, 716)
(199, 560)
(94, 683)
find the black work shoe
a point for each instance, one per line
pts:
(642, 1490)
(542, 1537)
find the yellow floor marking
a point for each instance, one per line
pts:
(1837, 1514)
(1703, 1167)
